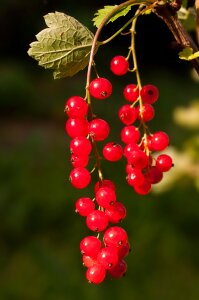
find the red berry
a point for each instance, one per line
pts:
(135, 177)
(88, 261)
(115, 236)
(129, 148)
(164, 162)
(154, 175)
(80, 145)
(116, 212)
(105, 197)
(100, 88)
(127, 114)
(96, 274)
(84, 206)
(90, 245)
(80, 177)
(119, 65)
(79, 161)
(131, 92)
(138, 159)
(119, 270)
(108, 257)
(76, 107)
(144, 188)
(77, 127)
(105, 182)
(130, 134)
(147, 112)
(149, 93)
(99, 129)
(112, 151)
(97, 220)
(124, 250)
(159, 141)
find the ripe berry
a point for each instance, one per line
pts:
(79, 161)
(90, 245)
(135, 177)
(108, 257)
(154, 175)
(127, 114)
(77, 127)
(88, 261)
(96, 274)
(99, 129)
(147, 112)
(164, 162)
(119, 65)
(97, 220)
(112, 151)
(105, 197)
(129, 148)
(80, 177)
(119, 270)
(138, 159)
(149, 93)
(76, 107)
(115, 236)
(124, 250)
(130, 134)
(100, 88)
(131, 92)
(144, 188)
(116, 212)
(84, 206)
(80, 145)
(159, 141)
(105, 182)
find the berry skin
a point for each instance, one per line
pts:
(108, 257)
(135, 177)
(138, 159)
(119, 270)
(76, 107)
(77, 127)
(90, 245)
(149, 93)
(84, 206)
(144, 188)
(127, 114)
(164, 162)
(130, 134)
(79, 161)
(154, 175)
(124, 250)
(131, 92)
(119, 65)
(129, 148)
(99, 129)
(80, 145)
(105, 197)
(96, 274)
(88, 261)
(116, 212)
(97, 220)
(80, 177)
(159, 141)
(115, 236)
(100, 88)
(105, 183)
(112, 151)
(147, 113)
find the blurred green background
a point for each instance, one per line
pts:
(39, 231)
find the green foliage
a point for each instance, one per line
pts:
(64, 46)
(187, 54)
(103, 12)
(187, 17)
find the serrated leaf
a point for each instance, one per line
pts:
(103, 12)
(187, 54)
(64, 46)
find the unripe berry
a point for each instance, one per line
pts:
(100, 88)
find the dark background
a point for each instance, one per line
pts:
(39, 231)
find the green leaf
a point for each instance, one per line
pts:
(64, 46)
(187, 17)
(103, 12)
(187, 54)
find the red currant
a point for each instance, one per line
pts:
(164, 162)
(97, 220)
(105, 197)
(79, 161)
(115, 236)
(80, 145)
(90, 245)
(149, 93)
(96, 274)
(105, 182)
(130, 134)
(84, 206)
(77, 127)
(100, 88)
(127, 114)
(112, 151)
(131, 92)
(76, 107)
(80, 177)
(147, 112)
(144, 188)
(99, 129)
(119, 270)
(159, 141)
(116, 212)
(108, 257)
(138, 159)
(154, 175)
(135, 177)
(88, 261)
(119, 65)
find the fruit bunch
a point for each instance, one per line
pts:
(104, 253)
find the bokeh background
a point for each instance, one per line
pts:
(39, 231)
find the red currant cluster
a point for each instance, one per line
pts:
(105, 254)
